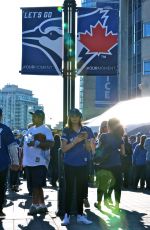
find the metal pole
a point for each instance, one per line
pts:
(69, 57)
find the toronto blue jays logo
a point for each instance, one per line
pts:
(44, 40)
(97, 41)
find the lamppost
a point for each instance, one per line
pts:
(69, 72)
(68, 87)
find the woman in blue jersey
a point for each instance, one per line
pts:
(76, 144)
(110, 167)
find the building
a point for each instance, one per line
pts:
(16, 104)
(133, 57)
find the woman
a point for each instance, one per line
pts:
(76, 144)
(139, 163)
(110, 176)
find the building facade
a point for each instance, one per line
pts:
(16, 104)
(133, 57)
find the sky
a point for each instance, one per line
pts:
(48, 89)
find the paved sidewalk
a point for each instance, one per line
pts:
(135, 213)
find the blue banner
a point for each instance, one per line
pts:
(106, 91)
(42, 41)
(97, 46)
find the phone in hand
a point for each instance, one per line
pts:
(83, 134)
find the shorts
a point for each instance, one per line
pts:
(36, 176)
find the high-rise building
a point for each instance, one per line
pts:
(16, 104)
(133, 56)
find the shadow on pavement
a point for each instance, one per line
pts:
(37, 223)
(124, 219)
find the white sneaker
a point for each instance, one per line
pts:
(83, 219)
(66, 220)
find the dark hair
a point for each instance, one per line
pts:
(57, 139)
(142, 140)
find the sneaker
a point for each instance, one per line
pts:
(66, 220)
(32, 210)
(86, 203)
(42, 209)
(83, 219)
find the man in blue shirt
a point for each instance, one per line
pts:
(8, 155)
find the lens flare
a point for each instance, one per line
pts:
(59, 8)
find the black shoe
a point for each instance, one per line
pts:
(86, 203)
(2, 214)
(98, 206)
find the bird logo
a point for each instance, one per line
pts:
(46, 37)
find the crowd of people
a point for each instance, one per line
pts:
(113, 159)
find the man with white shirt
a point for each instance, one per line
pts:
(37, 143)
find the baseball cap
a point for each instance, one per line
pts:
(1, 111)
(38, 112)
(75, 112)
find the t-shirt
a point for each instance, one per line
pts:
(112, 145)
(78, 155)
(6, 138)
(34, 156)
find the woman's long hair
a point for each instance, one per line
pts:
(115, 127)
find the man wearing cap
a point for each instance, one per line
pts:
(37, 143)
(8, 155)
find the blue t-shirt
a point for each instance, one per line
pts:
(6, 138)
(139, 155)
(111, 144)
(78, 155)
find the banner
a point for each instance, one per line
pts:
(97, 46)
(42, 41)
(106, 91)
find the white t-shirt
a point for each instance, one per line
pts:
(34, 156)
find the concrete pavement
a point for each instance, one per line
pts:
(135, 212)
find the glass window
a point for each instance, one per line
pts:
(146, 29)
(146, 67)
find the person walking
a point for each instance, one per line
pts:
(8, 156)
(127, 163)
(37, 143)
(110, 175)
(77, 143)
(139, 163)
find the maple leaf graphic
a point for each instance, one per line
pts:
(98, 40)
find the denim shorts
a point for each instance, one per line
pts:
(36, 176)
